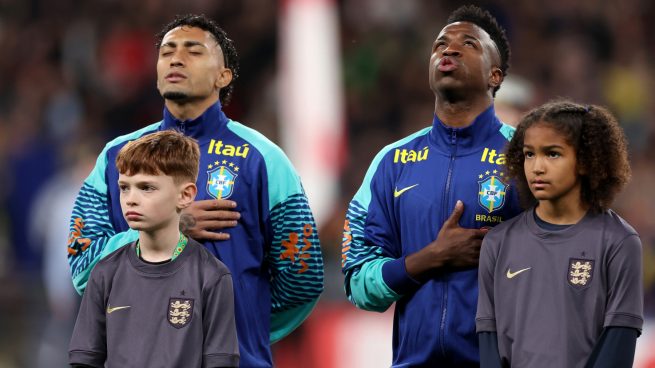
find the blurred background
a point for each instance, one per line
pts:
(332, 82)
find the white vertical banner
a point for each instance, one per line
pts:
(311, 98)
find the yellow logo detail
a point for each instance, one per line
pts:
(218, 148)
(511, 274)
(114, 309)
(405, 155)
(397, 193)
(493, 157)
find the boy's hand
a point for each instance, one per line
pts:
(202, 218)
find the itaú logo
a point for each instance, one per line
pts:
(218, 148)
(404, 155)
(493, 157)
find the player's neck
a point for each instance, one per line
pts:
(158, 245)
(460, 113)
(189, 109)
(562, 211)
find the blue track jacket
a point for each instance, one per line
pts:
(273, 254)
(408, 193)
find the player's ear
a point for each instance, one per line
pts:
(188, 193)
(495, 77)
(224, 78)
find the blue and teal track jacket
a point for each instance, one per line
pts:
(273, 254)
(408, 193)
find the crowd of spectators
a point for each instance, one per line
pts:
(75, 74)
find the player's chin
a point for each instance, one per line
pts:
(541, 195)
(175, 94)
(137, 225)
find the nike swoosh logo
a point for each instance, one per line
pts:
(397, 193)
(114, 309)
(511, 274)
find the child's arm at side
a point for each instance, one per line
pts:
(624, 315)
(489, 356)
(615, 348)
(220, 346)
(88, 346)
(485, 318)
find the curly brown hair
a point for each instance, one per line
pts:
(600, 146)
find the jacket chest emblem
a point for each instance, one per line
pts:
(492, 190)
(221, 179)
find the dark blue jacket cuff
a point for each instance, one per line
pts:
(396, 277)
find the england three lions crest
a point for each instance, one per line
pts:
(580, 272)
(221, 180)
(491, 192)
(180, 312)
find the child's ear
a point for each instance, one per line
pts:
(582, 171)
(188, 193)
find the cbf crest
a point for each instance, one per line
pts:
(580, 272)
(180, 311)
(492, 191)
(221, 179)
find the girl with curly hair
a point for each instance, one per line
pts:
(561, 284)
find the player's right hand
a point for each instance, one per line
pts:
(459, 247)
(203, 220)
(455, 247)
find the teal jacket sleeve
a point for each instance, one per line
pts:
(92, 235)
(370, 244)
(294, 258)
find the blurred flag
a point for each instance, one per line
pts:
(311, 98)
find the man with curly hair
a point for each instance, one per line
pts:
(401, 242)
(561, 284)
(248, 189)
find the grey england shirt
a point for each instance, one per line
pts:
(549, 294)
(176, 314)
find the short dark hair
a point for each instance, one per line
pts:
(600, 147)
(486, 21)
(231, 58)
(167, 152)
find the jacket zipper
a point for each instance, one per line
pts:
(446, 211)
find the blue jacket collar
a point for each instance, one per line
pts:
(466, 139)
(210, 122)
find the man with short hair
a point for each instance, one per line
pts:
(401, 243)
(247, 187)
